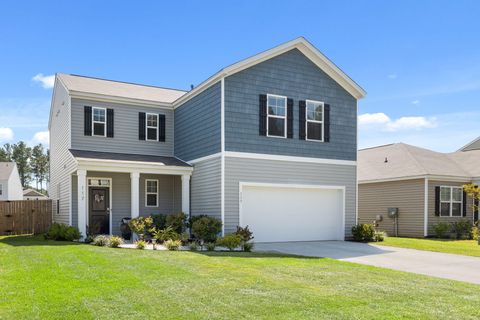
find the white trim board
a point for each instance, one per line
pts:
(430, 177)
(425, 208)
(209, 157)
(262, 156)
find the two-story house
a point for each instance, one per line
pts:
(269, 142)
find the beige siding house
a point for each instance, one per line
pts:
(424, 185)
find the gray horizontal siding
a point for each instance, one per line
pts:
(125, 138)
(168, 201)
(197, 125)
(295, 76)
(206, 188)
(270, 171)
(407, 195)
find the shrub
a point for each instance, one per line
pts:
(246, 235)
(159, 221)
(230, 241)
(192, 219)
(206, 228)
(165, 234)
(474, 233)
(379, 236)
(140, 244)
(462, 229)
(248, 246)
(178, 221)
(193, 246)
(140, 225)
(210, 246)
(363, 232)
(115, 242)
(100, 241)
(172, 245)
(441, 230)
(62, 232)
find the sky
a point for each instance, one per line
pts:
(419, 61)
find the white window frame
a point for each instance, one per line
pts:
(278, 117)
(104, 122)
(150, 127)
(314, 121)
(147, 193)
(451, 202)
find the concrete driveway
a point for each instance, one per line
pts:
(441, 265)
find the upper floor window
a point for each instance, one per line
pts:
(451, 201)
(276, 116)
(314, 120)
(1, 189)
(151, 193)
(152, 126)
(99, 121)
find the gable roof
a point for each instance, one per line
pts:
(472, 145)
(6, 169)
(401, 161)
(33, 193)
(82, 85)
(299, 43)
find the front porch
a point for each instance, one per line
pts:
(104, 191)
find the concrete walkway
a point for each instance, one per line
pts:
(436, 264)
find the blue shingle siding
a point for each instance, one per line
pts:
(295, 76)
(197, 125)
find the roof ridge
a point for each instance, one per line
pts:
(404, 147)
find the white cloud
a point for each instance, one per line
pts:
(6, 134)
(392, 76)
(41, 137)
(415, 101)
(47, 82)
(382, 122)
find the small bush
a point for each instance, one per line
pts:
(379, 236)
(178, 222)
(172, 245)
(474, 233)
(248, 246)
(165, 234)
(363, 232)
(192, 219)
(141, 225)
(230, 241)
(159, 221)
(62, 232)
(246, 235)
(206, 229)
(441, 230)
(210, 246)
(462, 229)
(140, 244)
(115, 242)
(100, 241)
(193, 246)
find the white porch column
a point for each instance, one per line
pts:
(82, 202)
(135, 194)
(186, 194)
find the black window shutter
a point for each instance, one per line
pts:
(464, 204)
(141, 125)
(161, 127)
(87, 121)
(109, 123)
(326, 120)
(302, 113)
(263, 114)
(437, 201)
(475, 209)
(289, 118)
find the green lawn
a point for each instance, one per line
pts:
(53, 280)
(465, 247)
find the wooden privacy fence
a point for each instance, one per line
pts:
(25, 216)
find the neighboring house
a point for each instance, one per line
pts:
(30, 194)
(269, 142)
(10, 184)
(473, 145)
(424, 185)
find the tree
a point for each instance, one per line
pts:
(473, 191)
(39, 165)
(6, 153)
(21, 154)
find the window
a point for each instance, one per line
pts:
(451, 201)
(152, 126)
(99, 121)
(314, 120)
(151, 193)
(276, 116)
(1, 189)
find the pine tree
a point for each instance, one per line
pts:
(21, 154)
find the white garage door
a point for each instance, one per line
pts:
(284, 213)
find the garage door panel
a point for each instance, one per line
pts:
(292, 214)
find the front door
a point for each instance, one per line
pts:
(99, 211)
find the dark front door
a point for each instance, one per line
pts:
(99, 218)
